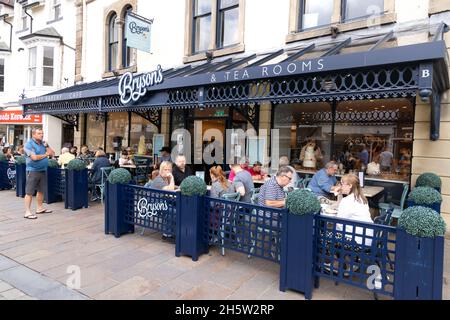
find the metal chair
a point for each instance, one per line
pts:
(397, 210)
(234, 196)
(142, 168)
(305, 183)
(105, 173)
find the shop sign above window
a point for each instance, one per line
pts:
(132, 88)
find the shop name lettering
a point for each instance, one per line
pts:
(14, 117)
(269, 71)
(148, 210)
(132, 88)
(134, 28)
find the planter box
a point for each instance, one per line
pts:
(419, 264)
(435, 206)
(54, 188)
(76, 189)
(5, 175)
(21, 179)
(114, 211)
(296, 265)
(190, 239)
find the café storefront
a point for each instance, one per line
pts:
(326, 105)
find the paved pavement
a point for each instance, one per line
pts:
(39, 258)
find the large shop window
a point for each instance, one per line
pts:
(2, 75)
(113, 43)
(374, 136)
(315, 13)
(141, 135)
(95, 131)
(117, 126)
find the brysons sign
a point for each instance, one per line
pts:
(133, 87)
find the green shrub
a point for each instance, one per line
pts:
(425, 195)
(119, 176)
(3, 158)
(429, 179)
(302, 202)
(193, 186)
(76, 164)
(52, 163)
(21, 160)
(422, 222)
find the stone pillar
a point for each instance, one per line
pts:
(79, 41)
(165, 125)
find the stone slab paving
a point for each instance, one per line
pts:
(38, 257)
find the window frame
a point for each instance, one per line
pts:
(220, 21)
(2, 75)
(31, 68)
(23, 19)
(194, 17)
(54, 5)
(189, 53)
(295, 33)
(301, 13)
(46, 67)
(344, 10)
(126, 51)
(112, 28)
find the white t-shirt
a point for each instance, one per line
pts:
(351, 209)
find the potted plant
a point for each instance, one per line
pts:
(114, 203)
(5, 173)
(426, 197)
(21, 176)
(296, 265)
(429, 179)
(55, 187)
(419, 258)
(190, 239)
(76, 185)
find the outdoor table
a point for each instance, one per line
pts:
(371, 191)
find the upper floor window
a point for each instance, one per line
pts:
(48, 66)
(228, 23)
(113, 43)
(2, 75)
(56, 9)
(315, 13)
(32, 59)
(357, 9)
(126, 51)
(215, 25)
(24, 19)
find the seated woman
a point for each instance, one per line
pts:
(165, 180)
(125, 158)
(220, 184)
(152, 177)
(354, 207)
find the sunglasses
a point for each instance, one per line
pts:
(290, 178)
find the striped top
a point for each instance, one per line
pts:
(271, 190)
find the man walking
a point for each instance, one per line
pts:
(37, 152)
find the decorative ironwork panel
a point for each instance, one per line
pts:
(183, 97)
(64, 107)
(73, 119)
(153, 115)
(151, 208)
(250, 112)
(112, 104)
(243, 227)
(359, 254)
(374, 117)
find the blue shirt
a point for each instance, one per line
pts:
(364, 156)
(321, 183)
(34, 148)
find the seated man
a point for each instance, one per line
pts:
(243, 182)
(323, 183)
(271, 193)
(181, 171)
(65, 157)
(101, 161)
(284, 162)
(256, 171)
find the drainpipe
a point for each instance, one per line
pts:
(29, 6)
(4, 16)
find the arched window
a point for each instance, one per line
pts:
(126, 51)
(113, 43)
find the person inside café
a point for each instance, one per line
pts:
(101, 161)
(220, 185)
(272, 192)
(243, 182)
(165, 180)
(166, 154)
(323, 183)
(256, 171)
(386, 160)
(181, 171)
(65, 157)
(284, 162)
(125, 159)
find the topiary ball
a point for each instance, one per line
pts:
(193, 186)
(422, 222)
(76, 164)
(429, 179)
(21, 160)
(119, 176)
(52, 163)
(3, 158)
(425, 195)
(302, 202)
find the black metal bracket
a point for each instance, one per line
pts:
(72, 119)
(251, 113)
(153, 115)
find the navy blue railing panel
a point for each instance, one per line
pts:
(359, 254)
(243, 227)
(151, 208)
(61, 183)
